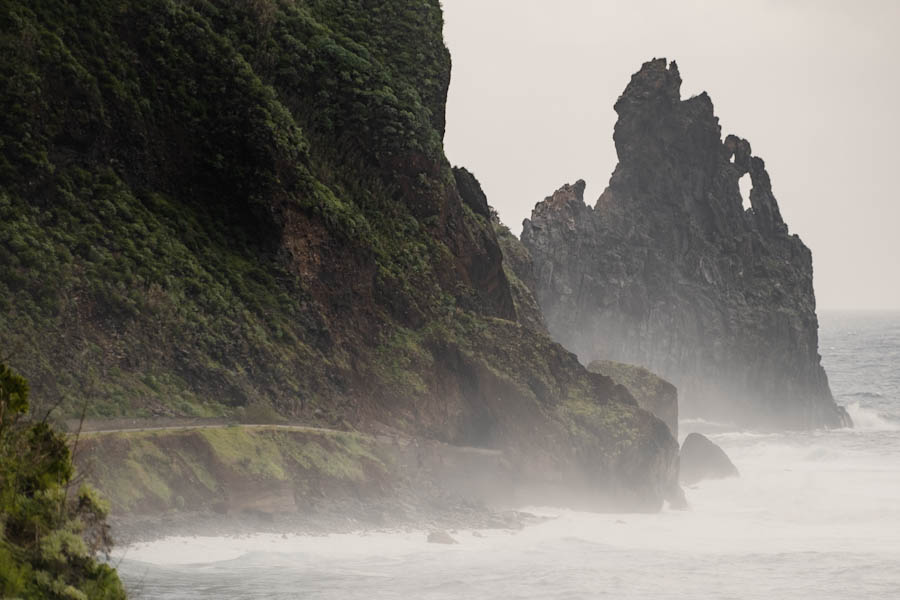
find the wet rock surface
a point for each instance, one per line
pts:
(703, 459)
(669, 271)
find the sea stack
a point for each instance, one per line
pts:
(673, 270)
(702, 459)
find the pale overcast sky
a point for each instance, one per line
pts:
(813, 86)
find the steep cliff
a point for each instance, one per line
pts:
(206, 207)
(669, 271)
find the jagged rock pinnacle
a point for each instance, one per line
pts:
(671, 272)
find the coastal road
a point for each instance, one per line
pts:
(96, 428)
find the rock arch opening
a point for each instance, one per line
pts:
(745, 185)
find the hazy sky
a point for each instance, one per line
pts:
(814, 86)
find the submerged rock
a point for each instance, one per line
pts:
(673, 270)
(440, 537)
(702, 459)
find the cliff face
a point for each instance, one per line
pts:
(669, 271)
(210, 207)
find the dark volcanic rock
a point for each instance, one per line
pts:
(520, 273)
(652, 392)
(517, 263)
(702, 459)
(669, 271)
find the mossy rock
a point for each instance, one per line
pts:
(652, 392)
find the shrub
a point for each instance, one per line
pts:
(50, 540)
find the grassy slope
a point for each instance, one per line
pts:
(157, 471)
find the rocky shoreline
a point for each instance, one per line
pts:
(239, 480)
(350, 516)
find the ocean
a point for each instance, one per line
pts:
(813, 515)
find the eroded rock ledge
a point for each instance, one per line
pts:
(668, 269)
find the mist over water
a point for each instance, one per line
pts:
(813, 515)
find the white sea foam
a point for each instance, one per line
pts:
(699, 422)
(868, 419)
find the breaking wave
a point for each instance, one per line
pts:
(861, 395)
(867, 419)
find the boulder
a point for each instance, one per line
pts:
(440, 537)
(653, 393)
(702, 459)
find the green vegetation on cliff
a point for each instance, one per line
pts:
(49, 536)
(217, 208)
(155, 159)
